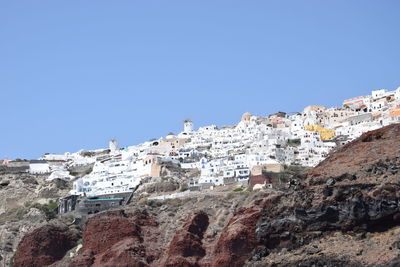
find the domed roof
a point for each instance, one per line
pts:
(246, 116)
(170, 135)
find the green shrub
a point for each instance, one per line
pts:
(142, 202)
(239, 189)
(294, 142)
(249, 188)
(87, 153)
(13, 215)
(49, 210)
(75, 174)
(52, 205)
(229, 196)
(173, 202)
(184, 187)
(89, 170)
(154, 203)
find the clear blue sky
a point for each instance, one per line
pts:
(74, 74)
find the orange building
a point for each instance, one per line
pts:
(394, 113)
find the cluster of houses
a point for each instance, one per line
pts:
(227, 155)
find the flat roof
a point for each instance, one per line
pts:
(103, 199)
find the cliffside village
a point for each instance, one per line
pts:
(247, 152)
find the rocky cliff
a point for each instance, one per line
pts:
(344, 212)
(26, 203)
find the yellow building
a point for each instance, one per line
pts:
(324, 133)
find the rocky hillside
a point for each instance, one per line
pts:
(344, 212)
(372, 153)
(27, 201)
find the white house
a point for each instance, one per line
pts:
(39, 167)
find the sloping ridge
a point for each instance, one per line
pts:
(360, 154)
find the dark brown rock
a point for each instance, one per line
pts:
(44, 246)
(238, 239)
(186, 248)
(116, 238)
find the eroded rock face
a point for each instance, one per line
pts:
(44, 246)
(238, 239)
(105, 230)
(116, 238)
(186, 248)
(357, 213)
(324, 261)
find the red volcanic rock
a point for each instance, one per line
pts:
(186, 248)
(359, 154)
(238, 239)
(116, 238)
(44, 246)
(106, 229)
(126, 253)
(83, 260)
